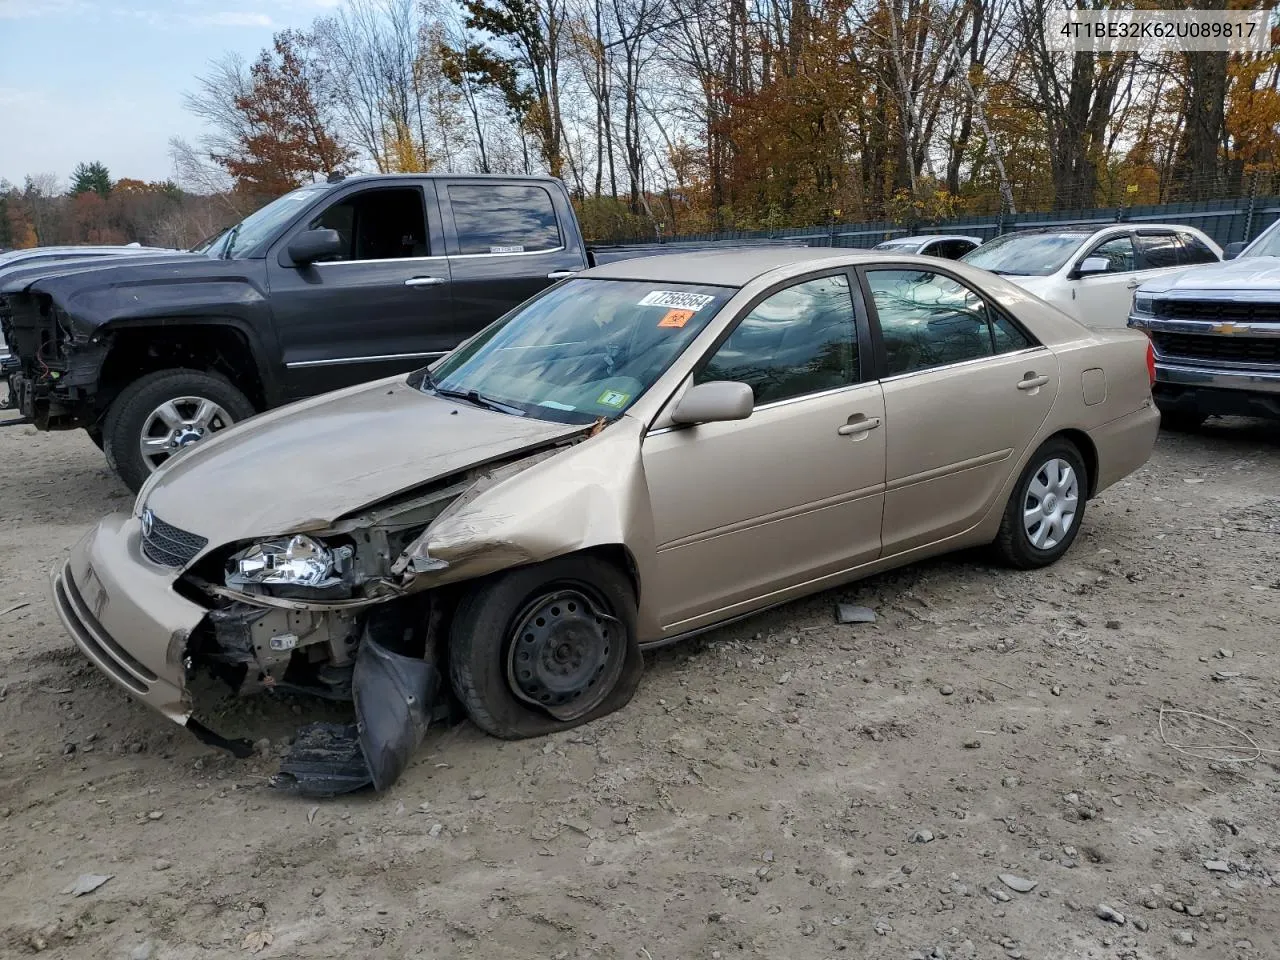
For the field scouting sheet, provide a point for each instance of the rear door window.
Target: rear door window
(503, 219)
(1158, 251)
(1195, 250)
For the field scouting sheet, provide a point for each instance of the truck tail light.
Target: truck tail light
(1151, 362)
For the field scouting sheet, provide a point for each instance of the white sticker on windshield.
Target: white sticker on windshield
(674, 298)
(554, 405)
(515, 249)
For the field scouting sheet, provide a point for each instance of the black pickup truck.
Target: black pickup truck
(330, 285)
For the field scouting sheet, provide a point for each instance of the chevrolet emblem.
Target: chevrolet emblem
(1229, 329)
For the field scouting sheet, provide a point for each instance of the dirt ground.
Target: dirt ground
(785, 787)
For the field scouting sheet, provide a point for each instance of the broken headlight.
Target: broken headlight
(295, 561)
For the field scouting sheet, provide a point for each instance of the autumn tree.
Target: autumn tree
(282, 134)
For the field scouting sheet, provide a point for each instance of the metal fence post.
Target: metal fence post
(1248, 213)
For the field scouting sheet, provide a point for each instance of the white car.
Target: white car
(946, 246)
(1091, 274)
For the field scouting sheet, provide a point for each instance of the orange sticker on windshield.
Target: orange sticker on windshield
(676, 318)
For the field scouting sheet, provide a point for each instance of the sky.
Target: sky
(86, 80)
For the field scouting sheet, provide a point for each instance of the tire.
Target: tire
(1015, 543)
(482, 661)
(137, 407)
(95, 434)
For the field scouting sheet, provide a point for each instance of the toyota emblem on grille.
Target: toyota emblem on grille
(148, 521)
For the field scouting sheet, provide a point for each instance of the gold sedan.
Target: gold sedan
(642, 452)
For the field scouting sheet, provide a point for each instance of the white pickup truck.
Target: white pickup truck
(1216, 334)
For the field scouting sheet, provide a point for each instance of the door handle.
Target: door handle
(425, 282)
(561, 274)
(1031, 381)
(857, 425)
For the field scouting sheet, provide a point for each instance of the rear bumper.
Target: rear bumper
(125, 616)
(1124, 445)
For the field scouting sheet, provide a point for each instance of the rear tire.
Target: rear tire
(137, 414)
(493, 617)
(1046, 508)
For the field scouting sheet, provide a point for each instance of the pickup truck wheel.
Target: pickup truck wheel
(545, 647)
(95, 434)
(161, 414)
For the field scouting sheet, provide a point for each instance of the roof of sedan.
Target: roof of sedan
(729, 268)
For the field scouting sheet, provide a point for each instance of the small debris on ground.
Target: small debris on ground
(87, 883)
(1018, 884)
(850, 613)
(1109, 914)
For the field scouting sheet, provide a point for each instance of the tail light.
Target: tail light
(1151, 362)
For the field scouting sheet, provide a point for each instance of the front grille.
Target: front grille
(1232, 311)
(1248, 350)
(169, 546)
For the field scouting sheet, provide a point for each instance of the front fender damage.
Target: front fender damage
(482, 525)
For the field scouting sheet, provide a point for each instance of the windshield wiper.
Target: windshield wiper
(476, 397)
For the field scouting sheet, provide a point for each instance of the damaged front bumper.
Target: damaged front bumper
(126, 617)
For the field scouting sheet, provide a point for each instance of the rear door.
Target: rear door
(507, 240)
(380, 307)
(965, 392)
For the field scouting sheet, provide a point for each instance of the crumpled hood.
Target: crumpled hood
(165, 287)
(17, 278)
(303, 466)
(1247, 278)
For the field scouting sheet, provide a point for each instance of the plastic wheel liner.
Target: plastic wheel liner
(394, 700)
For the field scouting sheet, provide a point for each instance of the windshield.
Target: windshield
(1026, 254)
(583, 350)
(1267, 245)
(263, 224)
(897, 245)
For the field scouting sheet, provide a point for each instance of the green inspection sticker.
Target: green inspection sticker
(613, 398)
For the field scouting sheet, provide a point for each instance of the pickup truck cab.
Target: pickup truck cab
(330, 285)
(1216, 336)
(1091, 273)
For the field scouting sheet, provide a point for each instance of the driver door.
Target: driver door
(383, 306)
(747, 509)
(1103, 299)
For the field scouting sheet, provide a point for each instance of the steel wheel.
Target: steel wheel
(178, 423)
(564, 651)
(1049, 510)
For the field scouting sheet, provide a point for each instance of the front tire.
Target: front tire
(1047, 507)
(546, 647)
(160, 414)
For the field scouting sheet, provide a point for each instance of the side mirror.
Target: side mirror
(1233, 249)
(1091, 265)
(312, 245)
(714, 402)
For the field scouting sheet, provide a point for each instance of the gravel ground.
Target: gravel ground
(785, 787)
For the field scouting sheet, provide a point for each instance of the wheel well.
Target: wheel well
(618, 555)
(214, 348)
(1081, 441)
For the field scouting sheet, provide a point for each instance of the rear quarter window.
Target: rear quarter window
(503, 219)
